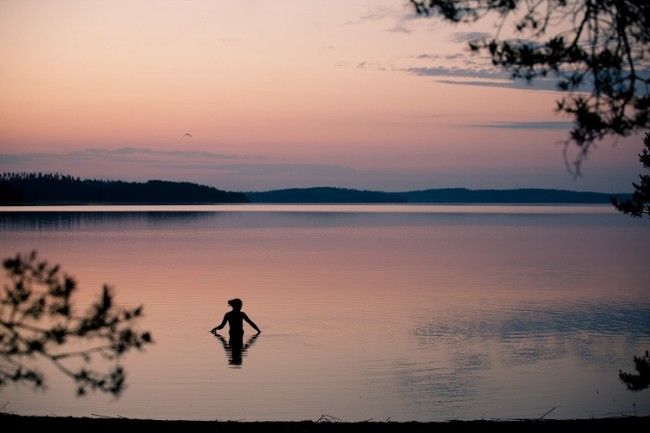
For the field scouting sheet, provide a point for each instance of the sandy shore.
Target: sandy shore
(16, 423)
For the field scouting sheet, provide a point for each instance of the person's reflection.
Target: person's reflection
(235, 347)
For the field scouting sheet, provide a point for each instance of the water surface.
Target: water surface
(368, 311)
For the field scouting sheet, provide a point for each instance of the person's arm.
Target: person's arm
(250, 322)
(223, 323)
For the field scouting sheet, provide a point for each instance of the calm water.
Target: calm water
(407, 312)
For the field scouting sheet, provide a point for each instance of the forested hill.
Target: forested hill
(50, 189)
(324, 195)
(32, 188)
(446, 195)
(523, 195)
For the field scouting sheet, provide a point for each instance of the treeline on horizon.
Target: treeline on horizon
(40, 188)
(54, 188)
(440, 196)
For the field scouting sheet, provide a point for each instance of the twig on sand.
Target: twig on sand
(552, 409)
(106, 416)
(328, 418)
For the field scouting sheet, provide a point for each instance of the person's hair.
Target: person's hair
(235, 303)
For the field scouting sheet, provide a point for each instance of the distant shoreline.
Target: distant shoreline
(126, 425)
(403, 209)
(451, 196)
(31, 189)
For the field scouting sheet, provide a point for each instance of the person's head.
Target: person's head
(235, 304)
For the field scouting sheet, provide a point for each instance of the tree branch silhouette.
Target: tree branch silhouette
(38, 320)
(641, 380)
(639, 203)
(596, 49)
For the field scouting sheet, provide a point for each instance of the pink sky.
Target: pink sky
(289, 93)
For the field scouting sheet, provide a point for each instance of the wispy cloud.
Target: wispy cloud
(469, 74)
(399, 27)
(468, 36)
(524, 125)
(399, 17)
(428, 56)
(538, 84)
(375, 66)
(120, 154)
(376, 14)
(483, 77)
(134, 163)
(257, 173)
(133, 160)
(455, 56)
(443, 71)
(156, 152)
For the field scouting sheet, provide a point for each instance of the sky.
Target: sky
(360, 94)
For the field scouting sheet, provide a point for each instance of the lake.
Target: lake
(367, 311)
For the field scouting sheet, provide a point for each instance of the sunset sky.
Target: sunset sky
(290, 93)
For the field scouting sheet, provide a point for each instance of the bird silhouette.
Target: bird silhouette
(187, 134)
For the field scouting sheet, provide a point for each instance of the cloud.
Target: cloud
(154, 152)
(399, 27)
(374, 14)
(228, 171)
(428, 56)
(503, 80)
(468, 36)
(443, 71)
(111, 160)
(377, 14)
(134, 154)
(456, 56)
(384, 13)
(486, 77)
(538, 84)
(401, 17)
(524, 125)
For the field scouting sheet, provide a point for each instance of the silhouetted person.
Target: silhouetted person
(235, 319)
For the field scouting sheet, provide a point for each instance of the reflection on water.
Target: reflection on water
(97, 217)
(528, 321)
(235, 347)
(401, 209)
(426, 314)
(527, 334)
(12, 221)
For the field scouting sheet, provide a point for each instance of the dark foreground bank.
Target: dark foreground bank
(15, 423)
